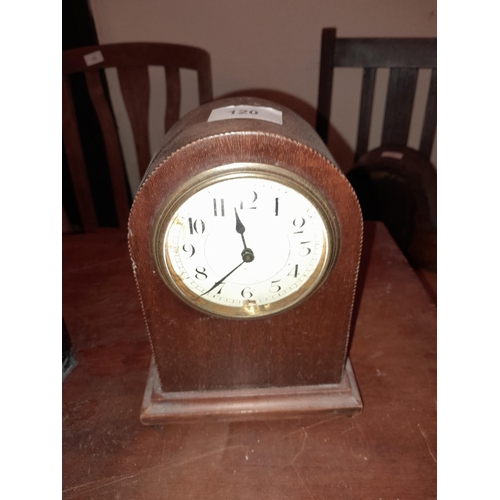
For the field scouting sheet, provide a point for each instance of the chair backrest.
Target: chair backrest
(404, 57)
(131, 61)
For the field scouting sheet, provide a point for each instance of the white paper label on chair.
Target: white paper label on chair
(93, 58)
(246, 112)
(392, 154)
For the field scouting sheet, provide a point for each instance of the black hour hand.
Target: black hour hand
(247, 254)
(240, 228)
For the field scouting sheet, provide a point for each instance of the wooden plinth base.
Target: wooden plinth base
(247, 404)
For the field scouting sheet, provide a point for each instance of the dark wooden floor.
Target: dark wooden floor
(387, 452)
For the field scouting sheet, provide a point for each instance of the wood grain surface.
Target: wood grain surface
(387, 452)
(305, 345)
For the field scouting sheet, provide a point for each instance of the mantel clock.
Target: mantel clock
(245, 241)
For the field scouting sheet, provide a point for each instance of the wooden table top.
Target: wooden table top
(386, 452)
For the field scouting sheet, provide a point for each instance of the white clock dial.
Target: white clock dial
(246, 245)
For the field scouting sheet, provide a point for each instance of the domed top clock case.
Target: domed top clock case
(245, 241)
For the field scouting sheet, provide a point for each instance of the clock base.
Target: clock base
(248, 404)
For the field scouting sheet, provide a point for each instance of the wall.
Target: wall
(268, 44)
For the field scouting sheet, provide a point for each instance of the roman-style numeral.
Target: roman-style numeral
(219, 207)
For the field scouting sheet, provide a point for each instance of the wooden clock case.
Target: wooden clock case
(290, 363)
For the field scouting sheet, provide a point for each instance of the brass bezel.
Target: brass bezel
(244, 170)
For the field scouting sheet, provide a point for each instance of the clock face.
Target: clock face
(245, 241)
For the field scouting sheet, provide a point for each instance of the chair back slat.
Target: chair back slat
(365, 111)
(173, 96)
(205, 81)
(134, 84)
(399, 106)
(111, 144)
(131, 61)
(430, 118)
(76, 161)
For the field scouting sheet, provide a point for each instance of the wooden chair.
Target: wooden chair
(404, 57)
(394, 183)
(131, 61)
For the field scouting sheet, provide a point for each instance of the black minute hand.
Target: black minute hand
(222, 279)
